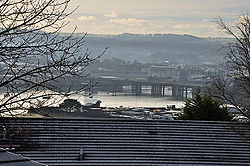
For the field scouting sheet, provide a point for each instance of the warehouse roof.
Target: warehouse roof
(130, 142)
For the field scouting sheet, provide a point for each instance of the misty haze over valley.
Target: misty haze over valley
(157, 48)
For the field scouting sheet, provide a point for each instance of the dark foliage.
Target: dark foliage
(70, 103)
(204, 108)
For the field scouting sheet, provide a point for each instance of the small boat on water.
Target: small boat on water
(93, 104)
(90, 101)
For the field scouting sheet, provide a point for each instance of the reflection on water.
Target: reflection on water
(108, 100)
(129, 101)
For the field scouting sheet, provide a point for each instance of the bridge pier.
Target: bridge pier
(163, 90)
(182, 93)
(178, 92)
(174, 91)
(116, 87)
(157, 90)
(153, 90)
(186, 93)
(136, 89)
(119, 87)
(194, 89)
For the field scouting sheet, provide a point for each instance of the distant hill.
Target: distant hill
(144, 48)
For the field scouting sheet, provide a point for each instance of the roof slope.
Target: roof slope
(132, 142)
(11, 159)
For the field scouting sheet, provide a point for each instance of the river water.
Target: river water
(108, 100)
(126, 100)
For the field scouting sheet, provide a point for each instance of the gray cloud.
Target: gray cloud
(154, 16)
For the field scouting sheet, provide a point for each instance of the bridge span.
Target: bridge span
(158, 88)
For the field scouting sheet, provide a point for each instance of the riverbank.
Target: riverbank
(146, 113)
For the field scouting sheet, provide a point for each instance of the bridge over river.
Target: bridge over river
(158, 88)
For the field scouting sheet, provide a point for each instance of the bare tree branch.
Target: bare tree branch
(235, 88)
(34, 57)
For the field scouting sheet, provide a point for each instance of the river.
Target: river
(108, 100)
(125, 100)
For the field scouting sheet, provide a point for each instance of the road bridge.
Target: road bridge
(158, 88)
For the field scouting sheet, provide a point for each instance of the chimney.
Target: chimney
(81, 155)
(4, 132)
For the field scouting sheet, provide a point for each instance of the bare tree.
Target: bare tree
(235, 87)
(34, 57)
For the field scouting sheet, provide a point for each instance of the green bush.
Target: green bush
(204, 108)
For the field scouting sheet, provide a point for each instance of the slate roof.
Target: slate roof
(131, 142)
(11, 159)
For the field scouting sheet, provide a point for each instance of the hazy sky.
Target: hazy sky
(193, 17)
